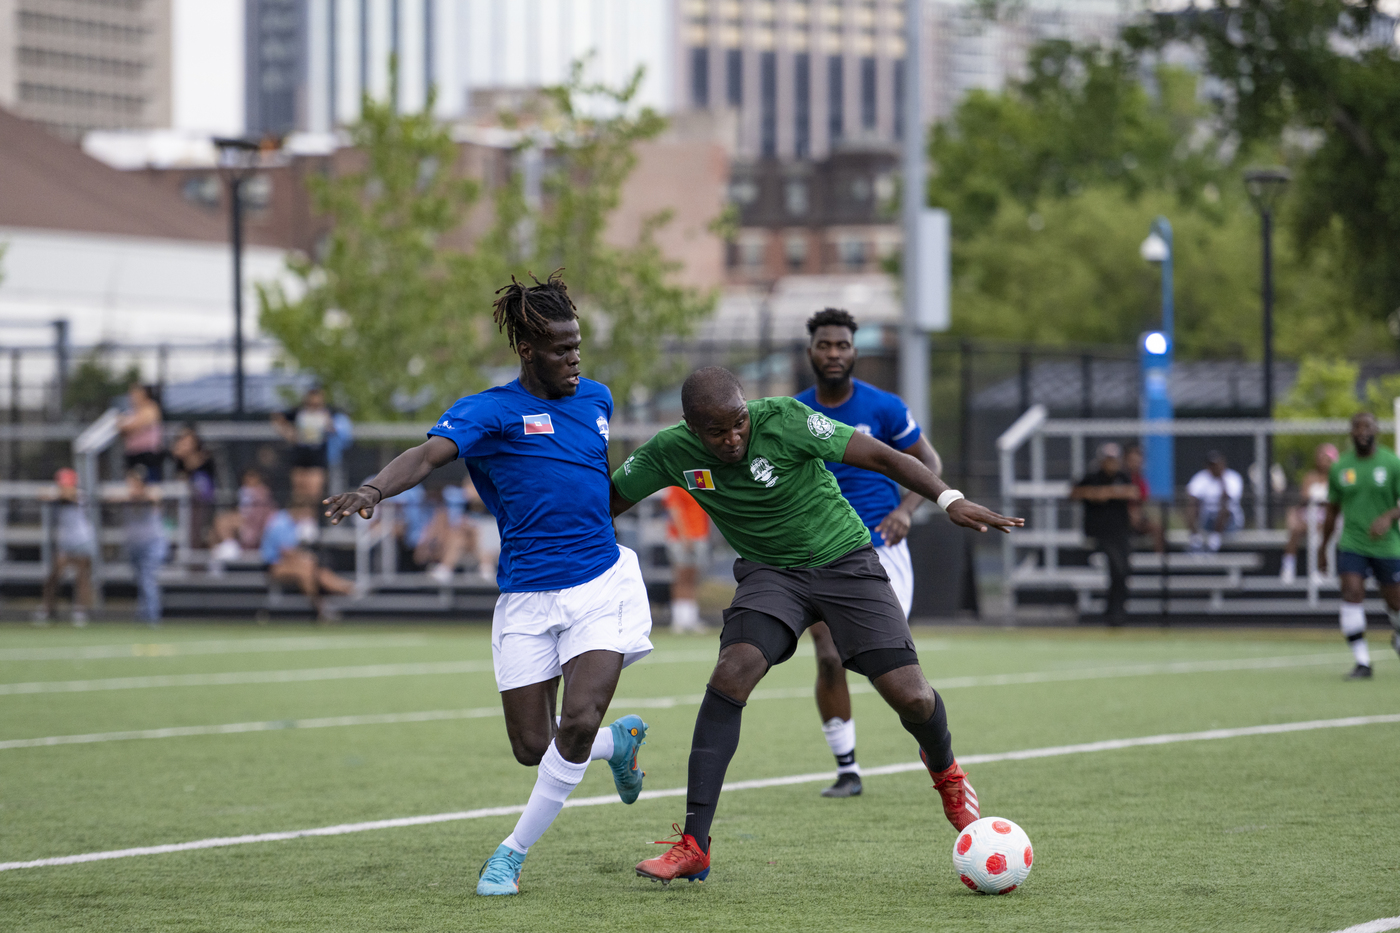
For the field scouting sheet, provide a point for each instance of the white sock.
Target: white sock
(1290, 564)
(685, 613)
(1353, 618)
(556, 780)
(602, 745)
(841, 738)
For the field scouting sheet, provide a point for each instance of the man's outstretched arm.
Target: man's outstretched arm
(405, 471)
(869, 454)
(618, 502)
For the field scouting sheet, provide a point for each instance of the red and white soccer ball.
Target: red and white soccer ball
(992, 856)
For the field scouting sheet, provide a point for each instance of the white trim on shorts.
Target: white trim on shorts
(533, 635)
(900, 569)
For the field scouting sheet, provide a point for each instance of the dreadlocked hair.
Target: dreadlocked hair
(525, 311)
(831, 317)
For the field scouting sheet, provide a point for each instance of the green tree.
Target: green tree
(94, 383)
(393, 320)
(1330, 68)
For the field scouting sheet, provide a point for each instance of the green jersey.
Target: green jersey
(1366, 488)
(780, 505)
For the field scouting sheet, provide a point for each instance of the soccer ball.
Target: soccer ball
(992, 856)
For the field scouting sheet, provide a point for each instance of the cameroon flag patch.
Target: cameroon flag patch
(699, 479)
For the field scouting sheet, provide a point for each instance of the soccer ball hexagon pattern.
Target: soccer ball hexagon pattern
(992, 856)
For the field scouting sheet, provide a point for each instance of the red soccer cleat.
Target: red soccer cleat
(683, 860)
(959, 799)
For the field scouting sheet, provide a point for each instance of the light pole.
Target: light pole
(238, 162)
(1265, 187)
(1156, 350)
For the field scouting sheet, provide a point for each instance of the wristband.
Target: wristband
(948, 498)
(376, 489)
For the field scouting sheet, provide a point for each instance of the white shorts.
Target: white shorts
(533, 635)
(900, 569)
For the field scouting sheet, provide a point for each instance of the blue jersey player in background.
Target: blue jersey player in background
(876, 498)
(572, 604)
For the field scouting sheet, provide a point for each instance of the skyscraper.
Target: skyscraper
(75, 66)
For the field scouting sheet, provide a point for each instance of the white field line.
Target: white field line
(668, 702)
(171, 649)
(1374, 926)
(1022, 755)
(479, 667)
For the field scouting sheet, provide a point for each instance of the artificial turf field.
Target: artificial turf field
(1298, 831)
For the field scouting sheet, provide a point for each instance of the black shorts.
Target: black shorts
(852, 595)
(304, 455)
(1386, 570)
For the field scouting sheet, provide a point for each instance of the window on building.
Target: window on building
(867, 93)
(802, 105)
(700, 78)
(795, 251)
(768, 104)
(751, 253)
(899, 99)
(835, 97)
(734, 77)
(795, 197)
(852, 252)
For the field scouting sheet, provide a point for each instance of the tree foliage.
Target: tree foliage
(1053, 183)
(393, 320)
(1330, 68)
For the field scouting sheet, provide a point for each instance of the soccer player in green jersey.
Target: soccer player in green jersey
(757, 470)
(1364, 486)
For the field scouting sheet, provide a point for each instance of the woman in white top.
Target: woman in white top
(1312, 497)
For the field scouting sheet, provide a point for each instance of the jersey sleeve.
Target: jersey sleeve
(643, 473)
(900, 426)
(468, 423)
(812, 433)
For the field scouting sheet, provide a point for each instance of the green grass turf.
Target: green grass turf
(1291, 832)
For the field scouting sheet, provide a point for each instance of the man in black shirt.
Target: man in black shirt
(1106, 493)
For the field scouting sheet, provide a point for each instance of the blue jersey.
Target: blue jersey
(541, 467)
(885, 417)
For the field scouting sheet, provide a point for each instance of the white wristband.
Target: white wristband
(948, 498)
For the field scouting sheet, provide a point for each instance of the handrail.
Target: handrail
(1189, 427)
(1023, 427)
(97, 436)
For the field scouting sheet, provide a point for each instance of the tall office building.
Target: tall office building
(808, 77)
(274, 85)
(76, 65)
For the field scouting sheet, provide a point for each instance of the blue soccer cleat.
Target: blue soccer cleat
(628, 735)
(501, 873)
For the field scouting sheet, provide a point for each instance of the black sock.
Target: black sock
(716, 738)
(933, 736)
(846, 760)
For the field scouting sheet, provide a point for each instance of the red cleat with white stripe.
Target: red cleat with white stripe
(959, 799)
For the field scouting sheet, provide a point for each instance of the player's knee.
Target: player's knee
(529, 749)
(829, 669)
(739, 668)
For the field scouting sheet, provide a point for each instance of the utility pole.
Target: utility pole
(913, 341)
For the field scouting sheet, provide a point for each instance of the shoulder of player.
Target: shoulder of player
(590, 388)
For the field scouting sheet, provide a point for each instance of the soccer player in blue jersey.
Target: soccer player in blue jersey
(831, 351)
(572, 604)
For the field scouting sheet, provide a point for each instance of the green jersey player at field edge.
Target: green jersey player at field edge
(757, 470)
(1364, 486)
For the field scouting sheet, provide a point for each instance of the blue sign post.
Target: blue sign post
(1155, 350)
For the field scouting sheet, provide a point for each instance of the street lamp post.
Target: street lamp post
(1265, 187)
(238, 161)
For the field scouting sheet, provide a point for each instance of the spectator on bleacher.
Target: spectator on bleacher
(312, 429)
(196, 467)
(242, 529)
(1312, 497)
(688, 547)
(1107, 493)
(286, 547)
(75, 544)
(482, 535)
(146, 543)
(1133, 462)
(1213, 507)
(140, 428)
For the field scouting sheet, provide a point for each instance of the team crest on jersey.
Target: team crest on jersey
(603, 427)
(820, 425)
(762, 472)
(627, 464)
(538, 424)
(1378, 474)
(1348, 477)
(864, 429)
(699, 479)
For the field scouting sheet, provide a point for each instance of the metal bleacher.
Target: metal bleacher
(196, 585)
(1049, 561)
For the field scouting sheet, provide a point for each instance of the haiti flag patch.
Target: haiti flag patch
(538, 424)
